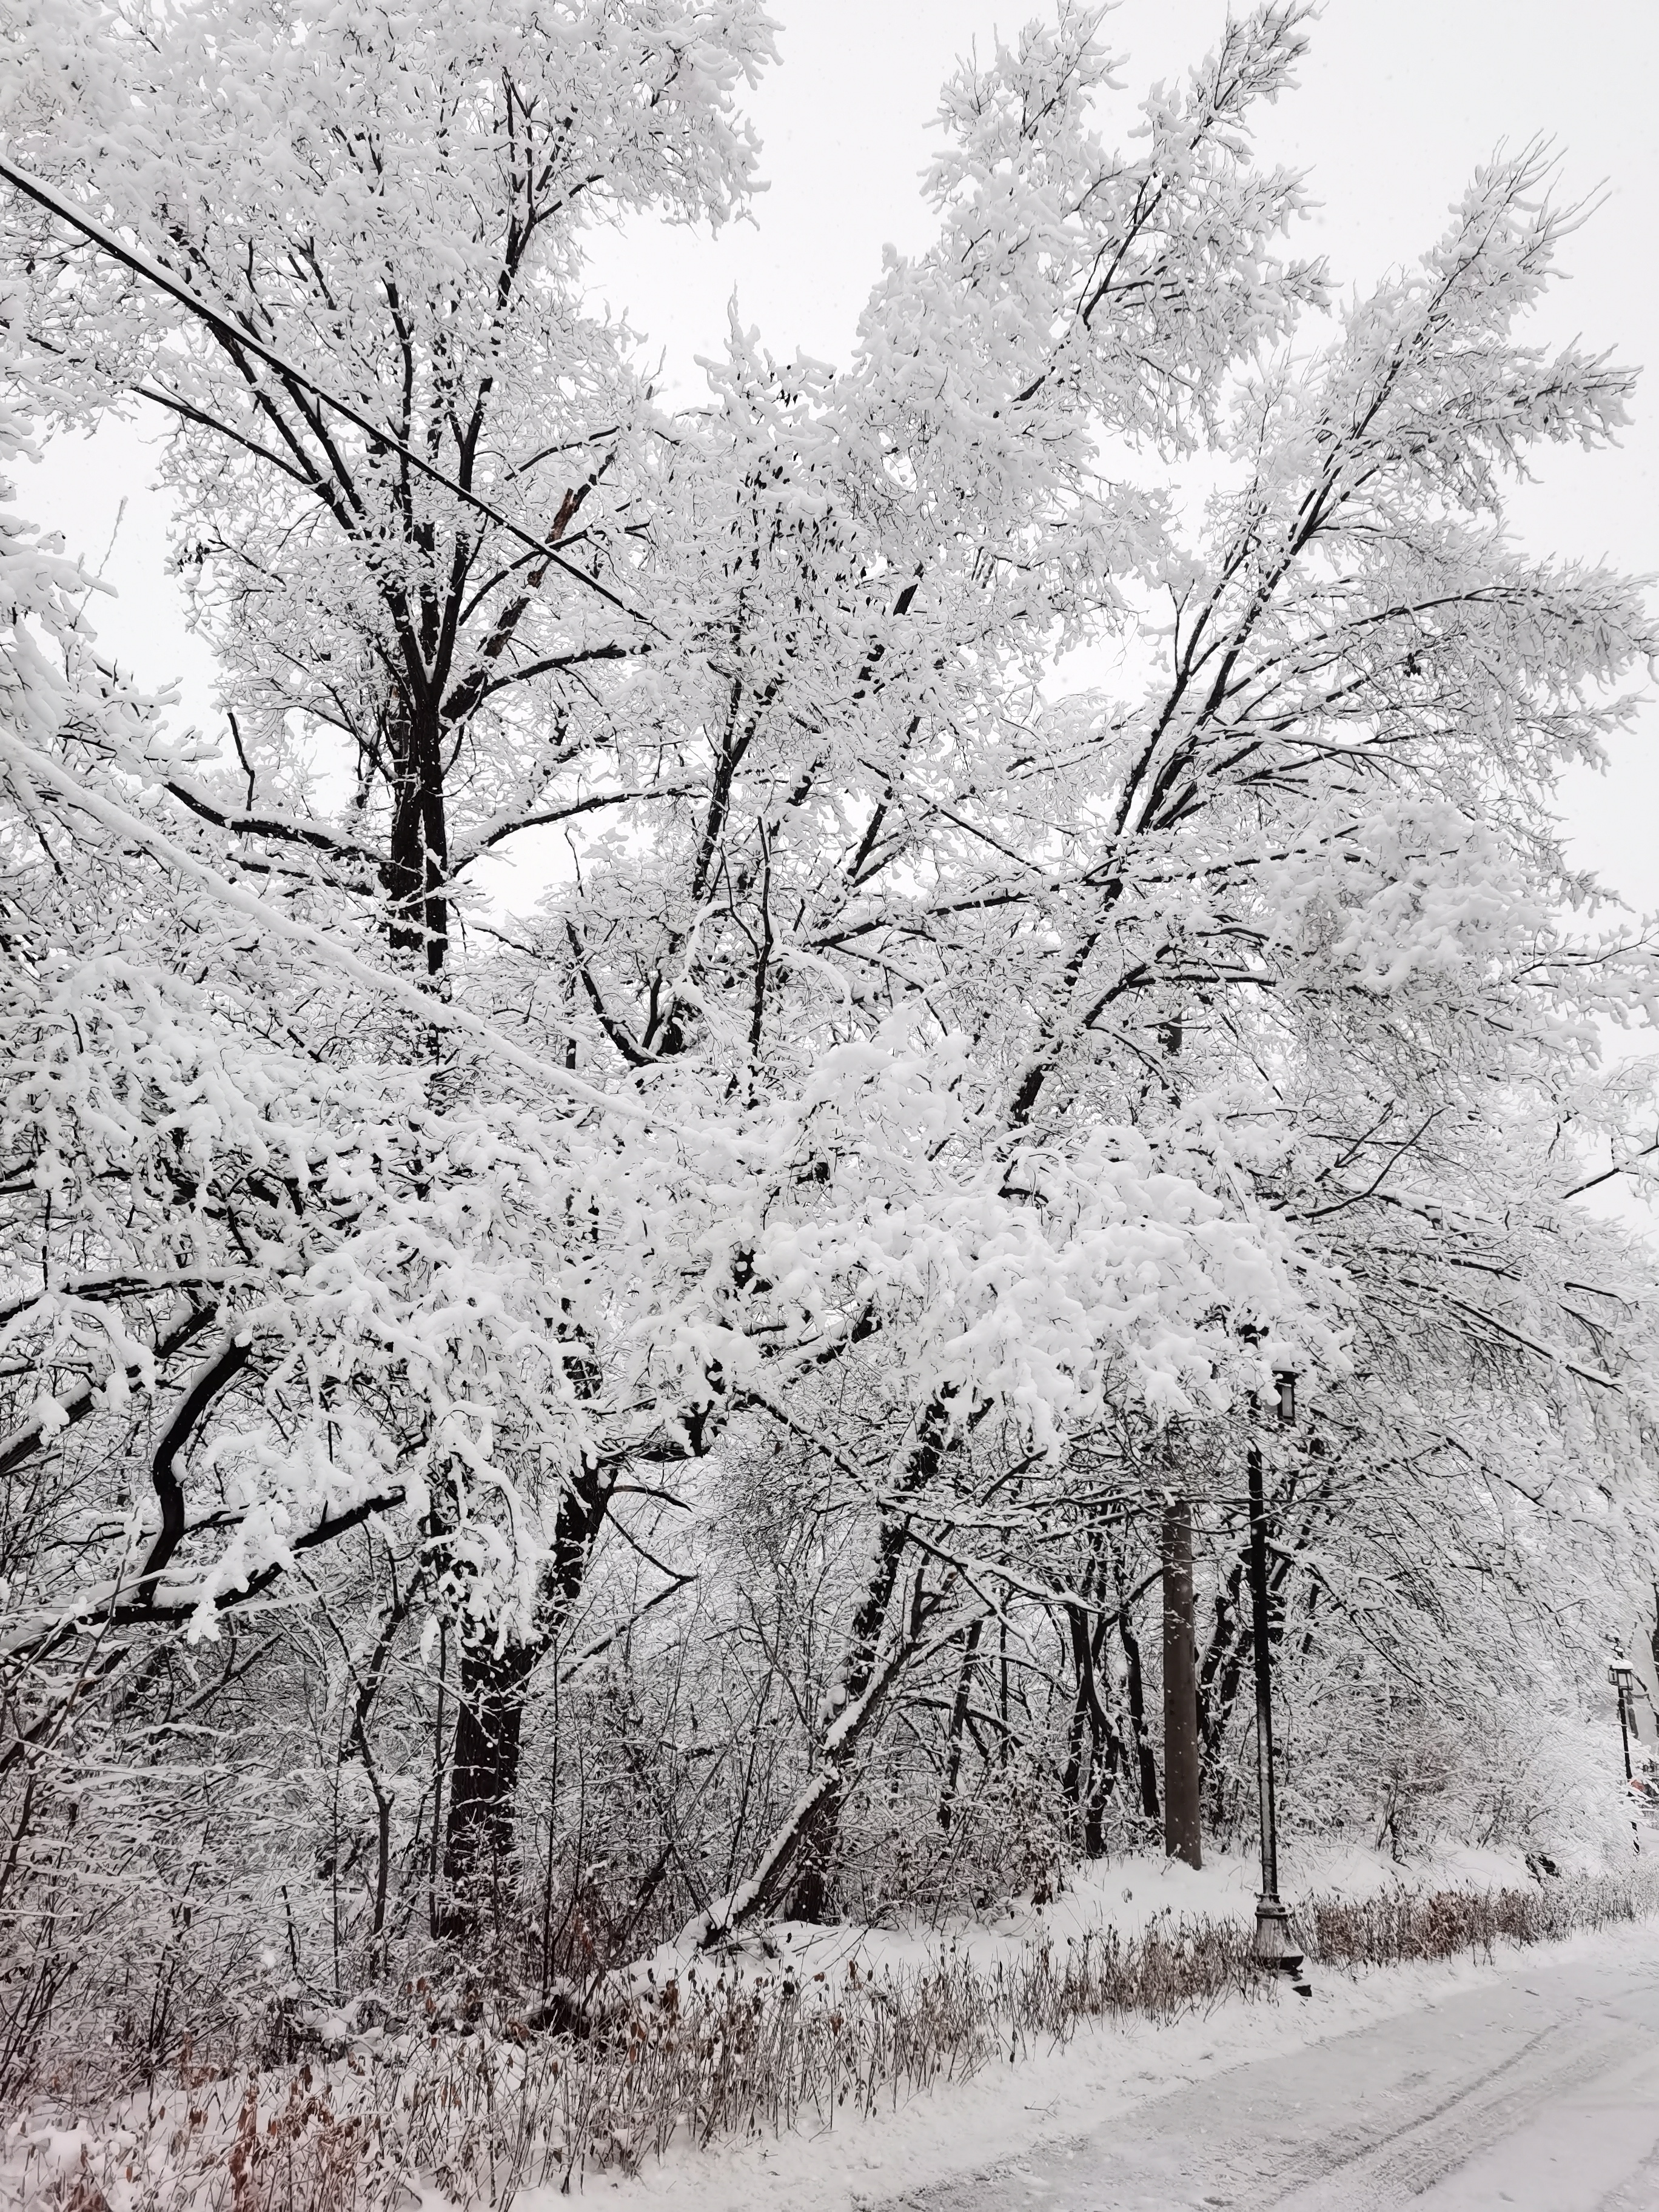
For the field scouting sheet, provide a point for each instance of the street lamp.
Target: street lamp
(1622, 1675)
(1276, 1943)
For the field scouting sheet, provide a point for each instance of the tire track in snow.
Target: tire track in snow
(1554, 2069)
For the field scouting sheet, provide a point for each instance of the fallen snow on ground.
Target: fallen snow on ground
(1004, 2110)
(1106, 2070)
(1101, 2076)
(1537, 2091)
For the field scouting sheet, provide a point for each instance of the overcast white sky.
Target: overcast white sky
(1399, 101)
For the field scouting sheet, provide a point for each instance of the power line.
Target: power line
(228, 328)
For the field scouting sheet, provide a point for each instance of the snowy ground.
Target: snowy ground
(1540, 2091)
(1531, 2081)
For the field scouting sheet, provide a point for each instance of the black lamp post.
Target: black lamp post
(1622, 1675)
(1276, 1943)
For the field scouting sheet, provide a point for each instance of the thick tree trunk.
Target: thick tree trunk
(492, 1689)
(1072, 1775)
(417, 870)
(1182, 1833)
(483, 1775)
(215, 1375)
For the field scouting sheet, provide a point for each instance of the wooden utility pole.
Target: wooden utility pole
(1181, 1769)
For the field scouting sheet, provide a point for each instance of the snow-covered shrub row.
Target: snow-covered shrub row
(527, 1436)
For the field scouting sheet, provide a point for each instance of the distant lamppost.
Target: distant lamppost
(1622, 1675)
(1276, 1943)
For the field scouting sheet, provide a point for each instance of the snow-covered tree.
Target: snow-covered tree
(1057, 917)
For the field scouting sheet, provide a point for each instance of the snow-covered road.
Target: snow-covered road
(1539, 2091)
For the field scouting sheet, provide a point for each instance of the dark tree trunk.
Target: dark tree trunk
(492, 1688)
(1218, 1670)
(1072, 1775)
(417, 867)
(1145, 1760)
(947, 1799)
(484, 1773)
(1220, 1676)
(1181, 1833)
(1094, 1748)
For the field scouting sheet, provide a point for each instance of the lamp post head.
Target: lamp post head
(1622, 1675)
(1285, 1384)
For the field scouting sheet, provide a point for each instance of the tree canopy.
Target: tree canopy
(1052, 914)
